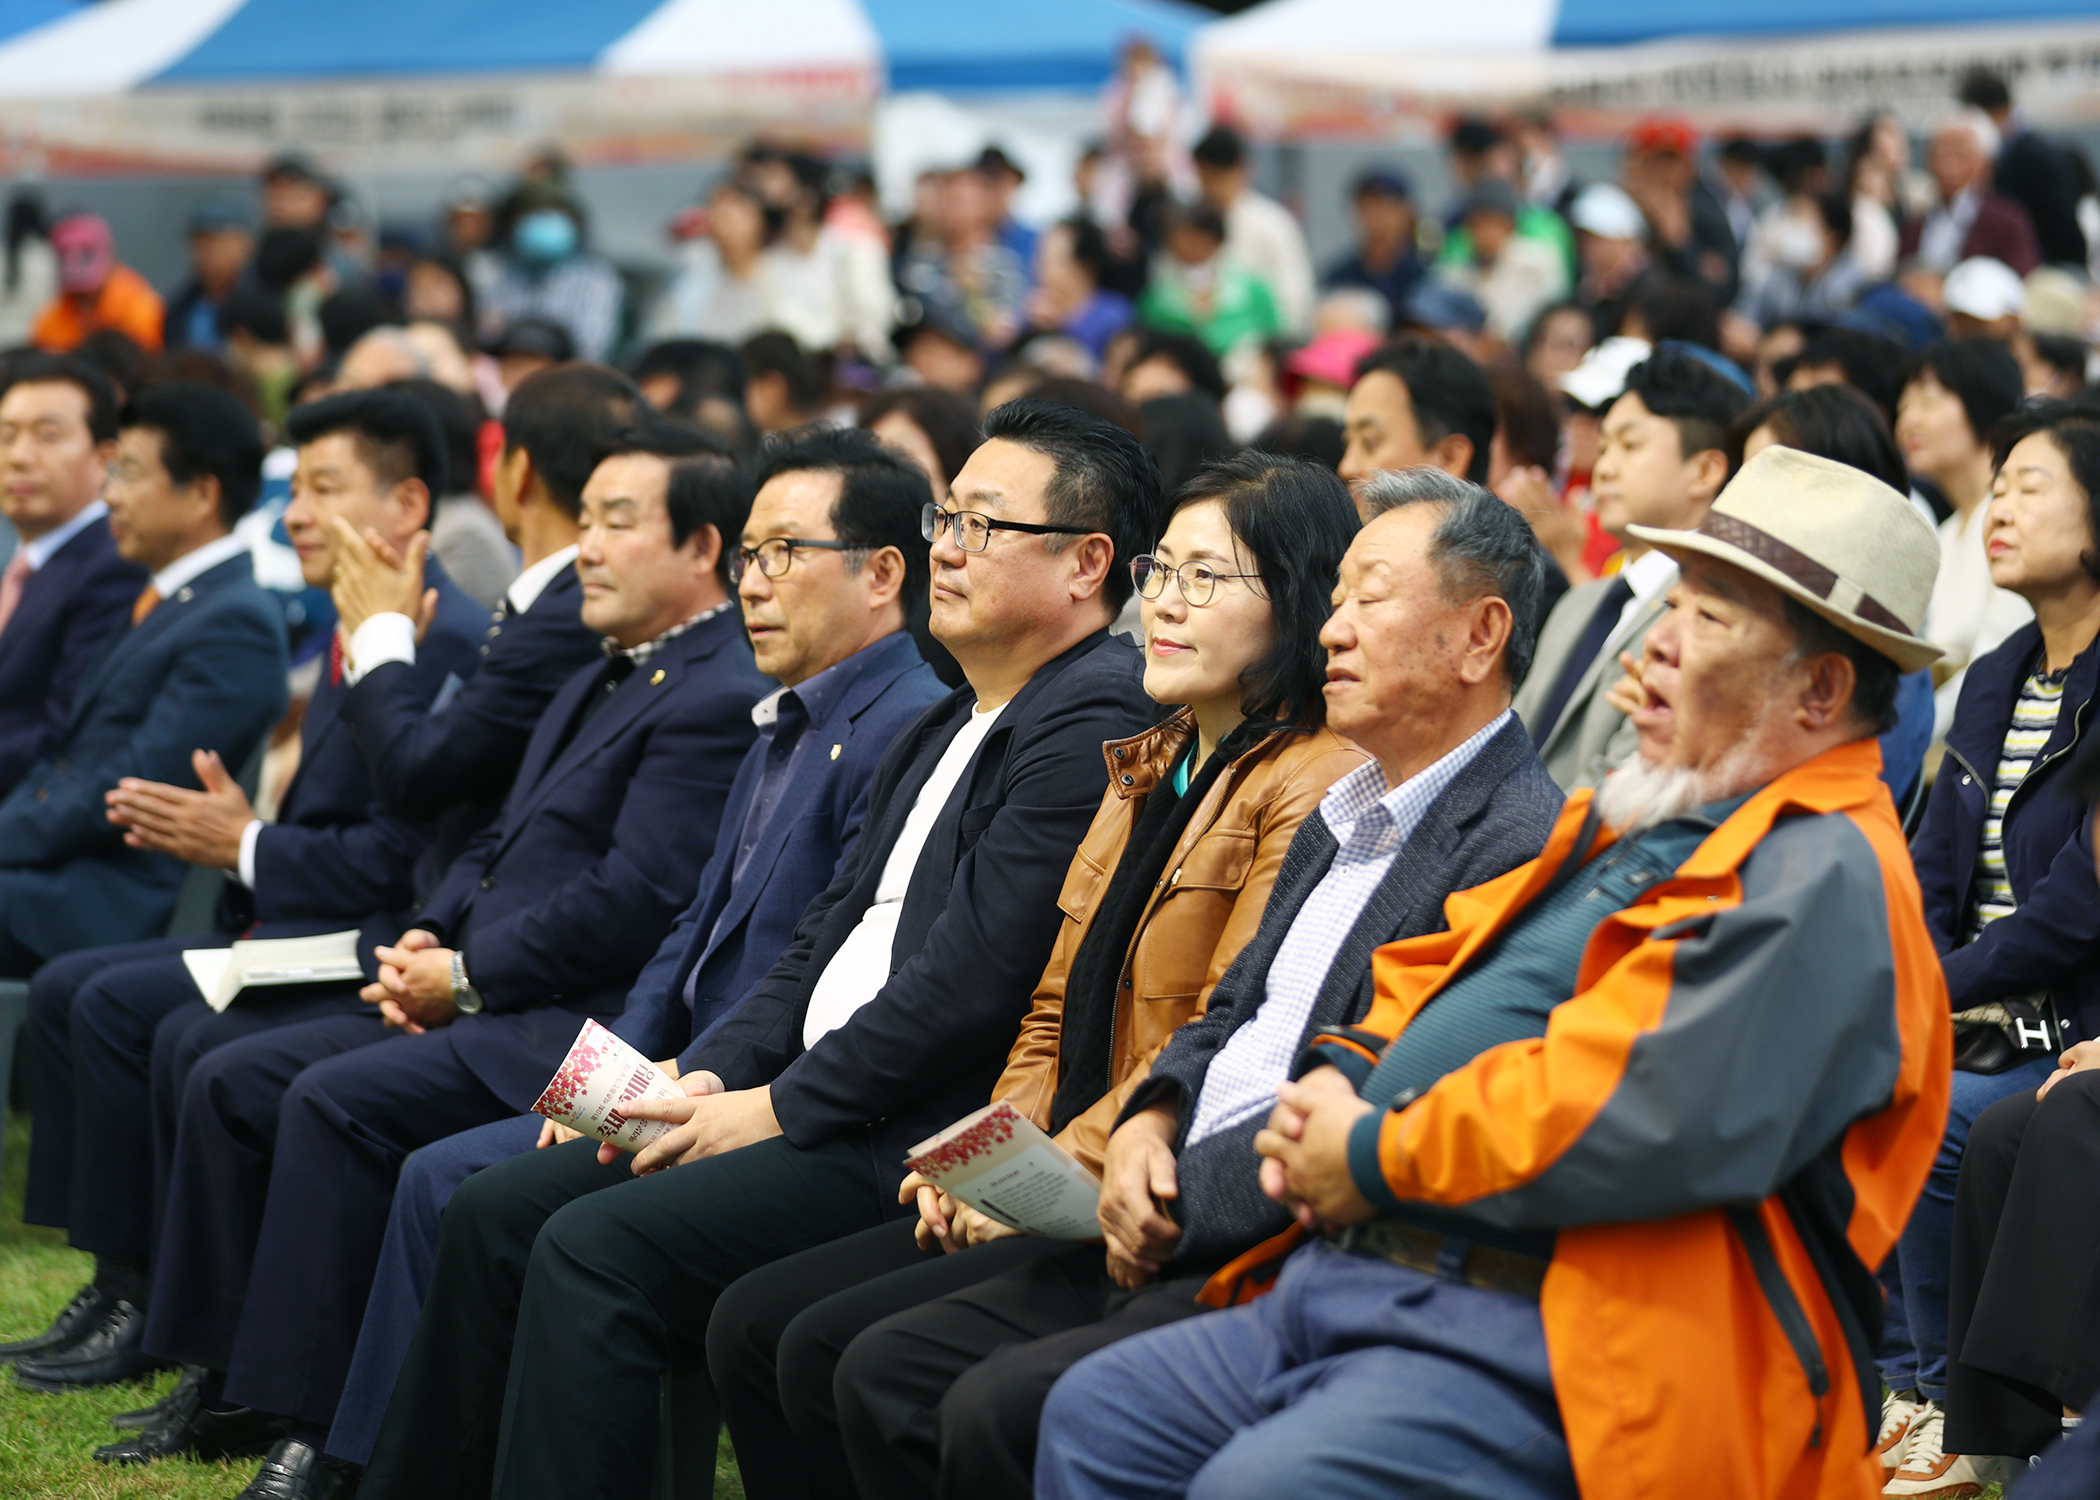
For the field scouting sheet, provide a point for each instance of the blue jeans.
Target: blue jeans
(1913, 1352)
(1355, 1379)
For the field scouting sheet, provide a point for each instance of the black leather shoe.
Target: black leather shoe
(300, 1471)
(87, 1308)
(106, 1355)
(240, 1433)
(186, 1389)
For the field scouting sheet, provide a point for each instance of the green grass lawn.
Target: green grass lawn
(45, 1440)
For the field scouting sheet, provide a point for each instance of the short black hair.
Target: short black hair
(1830, 421)
(706, 486)
(37, 368)
(1198, 216)
(1090, 395)
(1300, 434)
(775, 353)
(1877, 677)
(703, 368)
(1526, 416)
(882, 497)
(1103, 479)
(459, 418)
(1294, 519)
(1474, 136)
(1671, 307)
(1220, 146)
(1186, 353)
(561, 417)
(949, 422)
(1698, 400)
(396, 436)
(203, 430)
(2073, 429)
(255, 312)
(118, 356)
(1089, 247)
(1981, 374)
(1183, 432)
(1983, 89)
(1871, 362)
(348, 315)
(1835, 209)
(2064, 353)
(1447, 390)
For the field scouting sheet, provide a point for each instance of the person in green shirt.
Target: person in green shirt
(1195, 289)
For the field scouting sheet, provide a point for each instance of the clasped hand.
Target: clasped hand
(202, 827)
(1137, 1181)
(1305, 1150)
(946, 1221)
(414, 992)
(372, 579)
(2076, 1059)
(708, 1121)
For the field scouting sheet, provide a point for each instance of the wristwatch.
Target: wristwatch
(464, 996)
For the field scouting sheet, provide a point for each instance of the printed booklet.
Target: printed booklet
(596, 1082)
(222, 973)
(1001, 1163)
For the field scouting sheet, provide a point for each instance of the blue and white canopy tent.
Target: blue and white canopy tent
(382, 84)
(1351, 67)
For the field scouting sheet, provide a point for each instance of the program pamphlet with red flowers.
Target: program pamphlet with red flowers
(1001, 1163)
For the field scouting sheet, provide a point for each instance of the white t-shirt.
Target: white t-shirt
(858, 971)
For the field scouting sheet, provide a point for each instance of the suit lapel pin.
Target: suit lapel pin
(184, 595)
(658, 677)
(835, 749)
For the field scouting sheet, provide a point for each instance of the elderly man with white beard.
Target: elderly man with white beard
(1595, 1191)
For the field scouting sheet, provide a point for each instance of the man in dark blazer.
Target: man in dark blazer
(831, 632)
(66, 590)
(265, 1257)
(1456, 798)
(451, 768)
(888, 1016)
(2032, 170)
(1972, 218)
(201, 666)
(331, 860)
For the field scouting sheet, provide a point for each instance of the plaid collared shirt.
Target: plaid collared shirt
(649, 648)
(1370, 823)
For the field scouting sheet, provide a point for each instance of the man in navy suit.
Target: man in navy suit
(332, 860)
(887, 1017)
(200, 667)
(66, 590)
(289, 1142)
(451, 768)
(830, 553)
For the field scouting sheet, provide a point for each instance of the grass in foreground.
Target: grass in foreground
(45, 1441)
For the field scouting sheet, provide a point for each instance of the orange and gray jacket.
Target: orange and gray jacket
(1725, 1127)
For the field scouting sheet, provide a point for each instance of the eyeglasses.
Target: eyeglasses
(973, 532)
(776, 554)
(1199, 584)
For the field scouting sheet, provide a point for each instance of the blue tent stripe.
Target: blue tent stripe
(289, 39)
(966, 46)
(1598, 23)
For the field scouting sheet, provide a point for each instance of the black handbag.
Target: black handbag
(2006, 1034)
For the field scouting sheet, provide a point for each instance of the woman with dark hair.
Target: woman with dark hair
(1953, 395)
(1166, 888)
(1182, 433)
(1071, 262)
(1832, 421)
(935, 429)
(2005, 863)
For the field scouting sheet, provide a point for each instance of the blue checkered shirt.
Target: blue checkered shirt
(1370, 824)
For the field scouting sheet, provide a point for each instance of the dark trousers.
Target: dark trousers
(564, 1291)
(285, 1161)
(92, 1016)
(774, 1343)
(945, 1397)
(2024, 1314)
(401, 1280)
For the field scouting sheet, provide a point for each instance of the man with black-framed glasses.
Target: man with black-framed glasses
(888, 1016)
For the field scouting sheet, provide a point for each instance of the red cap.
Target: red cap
(1665, 133)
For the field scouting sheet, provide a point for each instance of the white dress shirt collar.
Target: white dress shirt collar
(201, 560)
(45, 547)
(526, 588)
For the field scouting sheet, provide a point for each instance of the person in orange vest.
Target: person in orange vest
(1593, 1195)
(95, 291)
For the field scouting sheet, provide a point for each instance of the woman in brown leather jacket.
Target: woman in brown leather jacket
(1161, 895)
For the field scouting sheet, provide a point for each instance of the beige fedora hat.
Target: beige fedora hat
(1832, 536)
